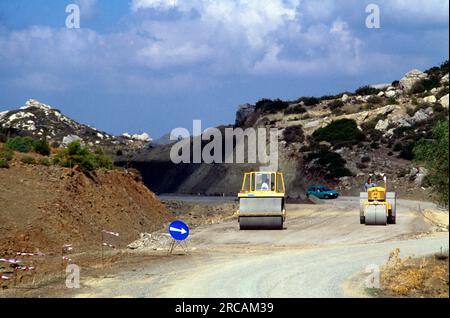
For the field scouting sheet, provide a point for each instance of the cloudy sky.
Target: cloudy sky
(154, 65)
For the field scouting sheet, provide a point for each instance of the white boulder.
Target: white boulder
(430, 99)
(410, 79)
(444, 101)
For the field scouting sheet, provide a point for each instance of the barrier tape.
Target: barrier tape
(66, 258)
(112, 233)
(24, 268)
(30, 254)
(11, 261)
(109, 245)
(4, 277)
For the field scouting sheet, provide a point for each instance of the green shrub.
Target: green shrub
(367, 90)
(6, 154)
(310, 101)
(407, 151)
(392, 101)
(4, 163)
(271, 106)
(297, 109)
(21, 144)
(336, 104)
(397, 147)
(102, 160)
(426, 84)
(76, 154)
(375, 100)
(343, 130)
(28, 160)
(293, 134)
(44, 161)
(42, 147)
(331, 163)
(434, 154)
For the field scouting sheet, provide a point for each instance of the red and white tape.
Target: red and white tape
(112, 233)
(67, 248)
(11, 260)
(4, 277)
(24, 268)
(109, 245)
(66, 258)
(30, 254)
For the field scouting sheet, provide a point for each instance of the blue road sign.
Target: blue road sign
(179, 230)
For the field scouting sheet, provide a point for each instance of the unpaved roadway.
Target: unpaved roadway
(321, 249)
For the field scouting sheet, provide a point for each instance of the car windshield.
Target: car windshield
(325, 189)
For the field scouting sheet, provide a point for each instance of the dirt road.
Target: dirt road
(322, 246)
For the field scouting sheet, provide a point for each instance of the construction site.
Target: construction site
(245, 149)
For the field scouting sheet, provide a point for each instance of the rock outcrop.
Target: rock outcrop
(410, 79)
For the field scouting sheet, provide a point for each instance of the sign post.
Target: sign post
(179, 232)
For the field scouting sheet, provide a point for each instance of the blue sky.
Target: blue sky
(154, 65)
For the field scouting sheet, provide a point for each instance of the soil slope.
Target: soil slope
(42, 208)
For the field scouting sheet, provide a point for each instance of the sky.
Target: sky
(154, 65)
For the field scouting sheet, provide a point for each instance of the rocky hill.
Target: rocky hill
(39, 120)
(335, 140)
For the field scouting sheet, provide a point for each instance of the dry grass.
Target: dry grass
(415, 277)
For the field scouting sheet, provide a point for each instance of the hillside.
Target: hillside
(39, 120)
(335, 140)
(44, 207)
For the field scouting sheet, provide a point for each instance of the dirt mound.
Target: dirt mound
(42, 208)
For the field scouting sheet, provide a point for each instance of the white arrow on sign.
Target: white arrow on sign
(174, 229)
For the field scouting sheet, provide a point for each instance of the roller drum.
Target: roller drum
(375, 214)
(260, 222)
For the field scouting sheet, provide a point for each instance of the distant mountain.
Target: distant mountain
(39, 120)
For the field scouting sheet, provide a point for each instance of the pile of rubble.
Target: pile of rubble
(154, 241)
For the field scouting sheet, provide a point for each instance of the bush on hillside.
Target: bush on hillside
(367, 90)
(340, 131)
(6, 154)
(77, 154)
(271, 106)
(332, 164)
(21, 144)
(42, 147)
(297, 109)
(310, 101)
(293, 134)
(434, 154)
(336, 104)
(375, 100)
(4, 164)
(44, 161)
(28, 160)
(426, 84)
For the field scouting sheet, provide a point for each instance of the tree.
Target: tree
(434, 155)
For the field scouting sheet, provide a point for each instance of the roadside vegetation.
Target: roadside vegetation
(434, 155)
(415, 277)
(39, 152)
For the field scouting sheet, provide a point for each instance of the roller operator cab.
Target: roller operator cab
(262, 200)
(377, 207)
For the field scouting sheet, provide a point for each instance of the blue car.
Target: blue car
(322, 192)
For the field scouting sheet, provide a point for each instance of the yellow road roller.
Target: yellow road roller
(377, 207)
(262, 200)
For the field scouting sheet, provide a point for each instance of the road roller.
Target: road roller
(261, 201)
(377, 207)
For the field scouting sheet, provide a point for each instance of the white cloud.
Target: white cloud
(87, 8)
(425, 10)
